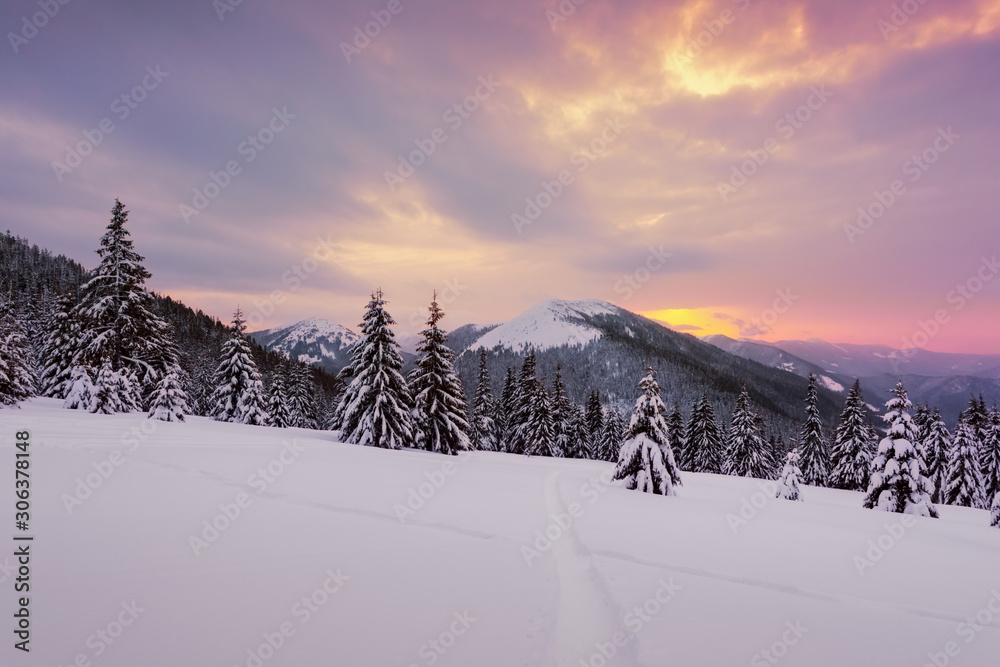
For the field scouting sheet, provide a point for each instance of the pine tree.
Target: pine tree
(788, 482)
(594, 415)
(375, 408)
(995, 512)
(812, 444)
(169, 401)
(239, 392)
(106, 398)
(897, 482)
(990, 456)
(580, 444)
(506, 407)
(746, 453)
(978, 417)
(300, 391)
(704, 442)
(646, 461)
(278, 413)
(17, 364)
(612, 435)
(81, 390)
(964, 486)
(854, 446)
(60, 344)
(675, 429)
(562, 414)
(937, 448)
(482, 416)
(526, 392)
(118, 324)
(439, 401)
(537, 436)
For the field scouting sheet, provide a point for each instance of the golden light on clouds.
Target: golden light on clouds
(697, 321)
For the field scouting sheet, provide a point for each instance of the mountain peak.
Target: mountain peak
(551, 323)
(313, 340)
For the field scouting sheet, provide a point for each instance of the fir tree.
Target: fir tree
(580, 444)
(118, 324)
(995, 512)
(937, 449)
(537, 437)
(300, 392)
(562, 415)
(60, 344)
(964, 486)
(812, 444)
(978, 417)
(106, 399)
(375, 408)
(646, 461)
(746, 454)
(788, 482)
(81, 390)
(704, 445)
(594, 415)
(897, 482)
(439, 401)
(482, 417)
(675, 429)
(17, 365)
(239, 392)
(990, 456)
(612, 435)
(527, 391)
(169, 401)
(278, 413)
(854, 446)
(506, 408)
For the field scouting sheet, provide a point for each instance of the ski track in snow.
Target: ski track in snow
(583, 609)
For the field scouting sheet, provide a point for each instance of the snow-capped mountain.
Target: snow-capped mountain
(549, 324)
(315, 341)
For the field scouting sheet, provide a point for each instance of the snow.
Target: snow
(311, 329)
(830, 383)
(549, 324)
(512, 560)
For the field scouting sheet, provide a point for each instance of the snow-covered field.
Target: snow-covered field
(319, 563)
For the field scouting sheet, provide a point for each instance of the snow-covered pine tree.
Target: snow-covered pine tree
(537, 435)
(526, 392)
(594, 414)
(704, 444)
(815, 458)
(964, 486)
(937, 449)
(788, 481)
(300, 392)
(482, 415)
(60, 344)
(562, 414)
(897, 482)
(438, 398)
(81, 390)
(18, 373)
(239, 391)
(506, 407)
(989, 456)
(118, 324)
(169, 401)
(854, 446)
(978, 417)
(375, 408)
(579, 441)
(612, 435)
(106, 399)
(278, 413)
(746, 453)
(995, 512)
(646, 460)
(675, 429)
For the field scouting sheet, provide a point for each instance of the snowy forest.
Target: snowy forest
(101, 342)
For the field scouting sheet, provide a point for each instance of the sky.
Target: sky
(782, 169)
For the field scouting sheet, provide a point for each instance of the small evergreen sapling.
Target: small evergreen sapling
(169, 402)
(81, 390)
(788, 481)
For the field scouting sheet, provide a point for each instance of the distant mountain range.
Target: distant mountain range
(598, 345)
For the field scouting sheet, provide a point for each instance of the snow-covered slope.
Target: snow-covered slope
(497, 560)
(549, 324)
(314, 341)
